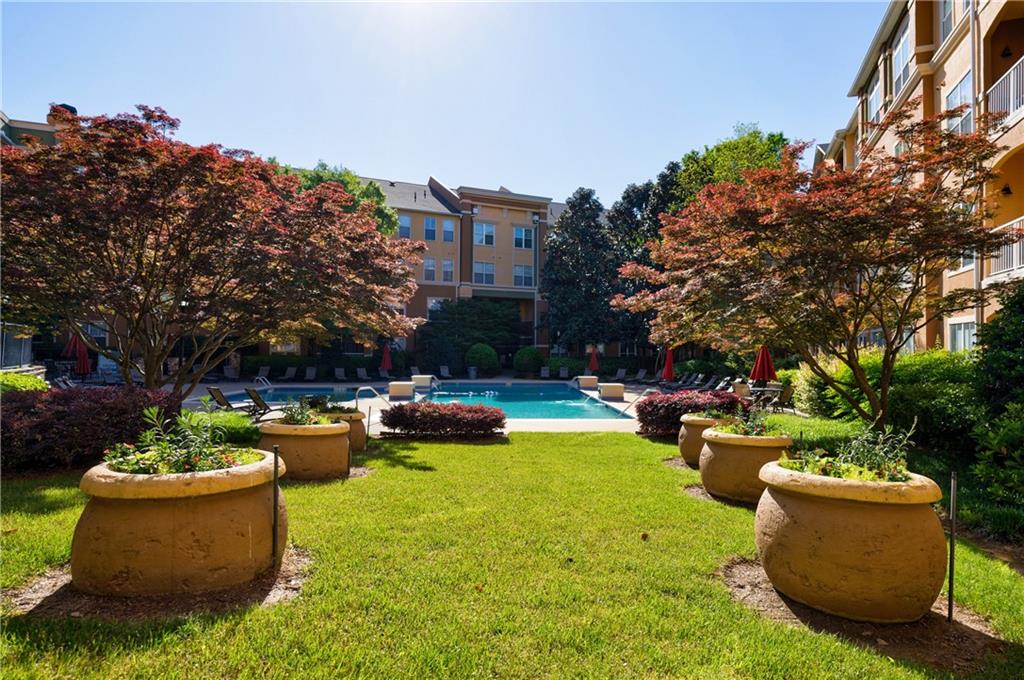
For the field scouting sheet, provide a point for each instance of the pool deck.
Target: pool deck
(372, 406)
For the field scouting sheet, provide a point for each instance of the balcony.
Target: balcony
(1008, 94)
(1009, 260)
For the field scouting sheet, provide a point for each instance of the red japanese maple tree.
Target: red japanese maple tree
(161, 242)
(811, 261)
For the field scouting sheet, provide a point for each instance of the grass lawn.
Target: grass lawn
(512, 560)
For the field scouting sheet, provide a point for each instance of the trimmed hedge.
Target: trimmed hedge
(528, 360)
(465, 421)
(73, 426)
(484, 357)
(237, 427)
(659, 413)
(21, 382)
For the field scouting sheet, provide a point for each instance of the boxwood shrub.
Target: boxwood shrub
(73, 426)
(659, 413)
(528, 360)
(484, 357)
(427, 418)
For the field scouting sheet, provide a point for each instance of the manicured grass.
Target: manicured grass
(514, 560)
(814, 433)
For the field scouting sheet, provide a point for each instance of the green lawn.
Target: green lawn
(512, 560)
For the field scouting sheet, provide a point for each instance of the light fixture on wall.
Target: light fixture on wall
(1006, 53)
(1006, 190)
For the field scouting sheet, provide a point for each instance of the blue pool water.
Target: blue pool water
(281, 395)
(526, 400)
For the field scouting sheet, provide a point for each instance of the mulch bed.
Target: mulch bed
(677, 463)
(698, 492)
(52, 596)
(959, 647)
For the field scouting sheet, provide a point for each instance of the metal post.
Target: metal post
(273, 536)
(952, 544)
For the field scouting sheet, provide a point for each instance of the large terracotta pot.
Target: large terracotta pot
(729, 463)
(357, 428)
(870, 551)
(691, 435)
(176, 533)
(311, 451)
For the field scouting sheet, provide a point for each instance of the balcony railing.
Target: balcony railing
(1008, 93)
(1010, 256)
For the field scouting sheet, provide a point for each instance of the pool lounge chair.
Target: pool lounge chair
(362, 375)
(384, 374)
(563, 373)
(640, 376)
(445, 373)
(545, 372)
(707, 386)
(414, 370)
(260, 406)
(587, 371)
(225, 405)
(289, 373)
(720, 386)
(310, 373)
(339, 374)
(620, 375)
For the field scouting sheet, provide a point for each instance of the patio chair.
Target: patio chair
(563, 373)
(784, 400)
(706, 387)
(225, 405)
(362, 375)
(310, 373)
(445, 373)
(741, 389)
(619, 376)
(339, 374)
(587, 371)
(414, 370)
(545, 372)
(723, 385)
(264, 372)
(289, 373)
(384, 374)
(639, 377)
(260, 407)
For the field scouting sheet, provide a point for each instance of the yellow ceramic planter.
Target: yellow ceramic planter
(357, 428)
(311, 451)
(730, 463)
(691, 435)
(870, 551)
(176, 533)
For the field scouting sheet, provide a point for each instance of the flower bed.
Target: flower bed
(447, 420)
(659, 414)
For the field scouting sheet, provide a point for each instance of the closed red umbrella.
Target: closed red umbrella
(593, 358)
(764, 368)
(385, 358)
(76, 348)
(669, 372)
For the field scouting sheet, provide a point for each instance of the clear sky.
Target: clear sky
(540, 98)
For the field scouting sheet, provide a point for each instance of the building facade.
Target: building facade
(949, 53)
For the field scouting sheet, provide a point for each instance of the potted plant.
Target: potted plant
(853, 534)
(311, 445)
(734, 453)
(176, 512)
(336, 413)
(691, 434)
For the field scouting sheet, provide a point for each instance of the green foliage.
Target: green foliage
(189, 443)
(21, 382)
(1000, 351)
(869, 456)
(811, 393)
(438, 351)
(814, 432)
(787, 376)
(747, 149)
(325, 366)
(370, 192)
(237, 428)
(484, 358)
(752, 423)
(300, 412)
(528, 360)
(1000, 463)
(459, 324)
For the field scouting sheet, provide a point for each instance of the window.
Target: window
(447, 270)
(522, 275)
(429, 269)
(945, 19)
(628, 349)
(902, 54)
(958, 96)
(483, 272)
(448, 231)
(483, 234)
(433, 307)
(523, 238)
(404, 226)
(429, 229)
(966, 260)
(899, 149)
(284, 347)
(875, 99)
(961, 336)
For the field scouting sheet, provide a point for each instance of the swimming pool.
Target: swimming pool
(526, 400)
(282, 395)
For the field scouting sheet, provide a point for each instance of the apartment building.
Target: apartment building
(949, 53)
(480, 243)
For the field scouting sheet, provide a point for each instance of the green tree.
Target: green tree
(364, 192)
(748, 149)
(579, 272)
(459, 324)
(1001, 353)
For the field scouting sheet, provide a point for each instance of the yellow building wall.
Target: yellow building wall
(503, 253)
(438, 248)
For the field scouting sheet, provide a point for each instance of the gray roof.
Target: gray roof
(502, 193)
(412, 196)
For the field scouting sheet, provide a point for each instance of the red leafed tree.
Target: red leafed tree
(812, 261)
(161, 241)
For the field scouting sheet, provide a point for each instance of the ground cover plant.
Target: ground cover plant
(21, 382)
(869, 456)
(551, 555)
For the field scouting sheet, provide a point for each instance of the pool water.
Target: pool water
(281, 395)
(526, 400)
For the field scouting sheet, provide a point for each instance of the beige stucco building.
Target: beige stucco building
(949, 53)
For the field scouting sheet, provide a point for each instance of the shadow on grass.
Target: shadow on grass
(393, 452)
(34, 494)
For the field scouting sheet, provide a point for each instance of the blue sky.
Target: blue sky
(540, 98)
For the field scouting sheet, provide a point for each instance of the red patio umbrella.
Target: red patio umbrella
(763, 369)
(669, 371)
(385, 358)
(76, 348)
(593, 359)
